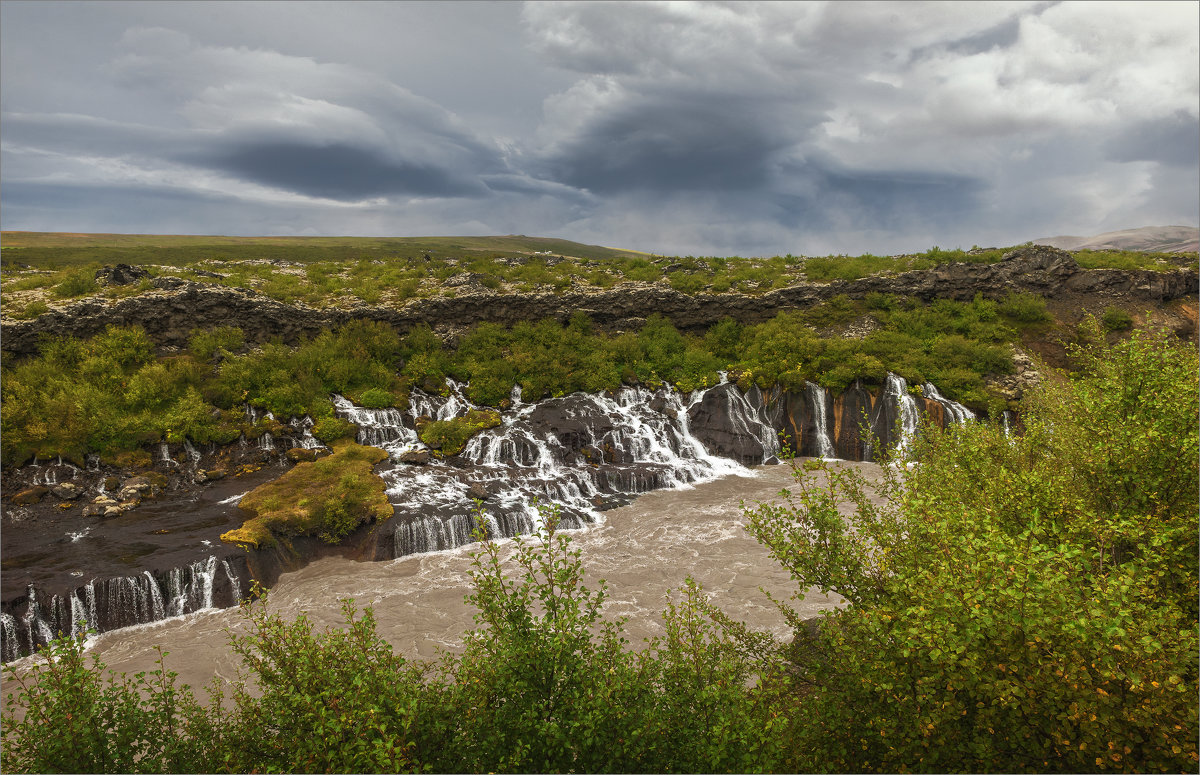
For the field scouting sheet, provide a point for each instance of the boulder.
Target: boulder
(121, 274)
(30, 496)
(168, 283)
(414, 457)
(68, 491)
(476, 491)
(300, 454)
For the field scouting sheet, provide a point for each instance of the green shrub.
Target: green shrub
(377, 398)
(1018, 604)
(330, 429)
(203, 345)
(1117, 319)
(76, 282)
(1025, 308)
(32, 310)
(100, 722)
(448, 437)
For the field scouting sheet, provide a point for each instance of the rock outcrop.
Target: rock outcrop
(169, 315)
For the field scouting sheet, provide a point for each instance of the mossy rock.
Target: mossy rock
(449, 437)
(328, 498)
(30, 496)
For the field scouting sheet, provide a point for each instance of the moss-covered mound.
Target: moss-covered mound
(328, 498)
(448, 437)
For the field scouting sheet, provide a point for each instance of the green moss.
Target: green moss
(328, 498)
(448, 437)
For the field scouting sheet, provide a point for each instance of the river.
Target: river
(643, 550)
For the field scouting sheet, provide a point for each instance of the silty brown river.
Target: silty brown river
(643, 550)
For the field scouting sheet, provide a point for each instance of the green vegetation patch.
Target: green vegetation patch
(448, 437)
(1134, 259)
(111, 395)
(328, 498)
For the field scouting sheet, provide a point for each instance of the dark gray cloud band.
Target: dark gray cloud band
(704, 128)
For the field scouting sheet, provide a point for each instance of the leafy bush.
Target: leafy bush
(1019, 603)
(1117, 319)
(448, 437)
(377, 398)
(76, 282)
(203, 345)
(68, 717)
(329, 429)
(1025, 308)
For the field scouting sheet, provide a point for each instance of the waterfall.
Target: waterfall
(83, 611)
(896, 390)
(575, 452)
(818, 397)
(112, 603)
(10, 647)
(954, 410)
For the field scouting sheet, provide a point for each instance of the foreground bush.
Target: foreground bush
(1018, 604)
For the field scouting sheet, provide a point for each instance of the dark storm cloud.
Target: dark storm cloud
(876, 199)
(702, 127)
(1174, 140)
(685, 144)
(336, 171)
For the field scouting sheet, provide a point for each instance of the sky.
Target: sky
(736, 128)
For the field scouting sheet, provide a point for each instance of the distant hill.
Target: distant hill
(1151, 239)
(138, 248)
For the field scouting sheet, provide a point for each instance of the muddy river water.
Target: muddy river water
(643, 550)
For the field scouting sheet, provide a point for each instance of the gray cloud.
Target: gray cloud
(701, 127)
(1173, 140)
(335, 171)
(686, 143)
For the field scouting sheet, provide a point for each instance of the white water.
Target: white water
(956, 412)
(818, 396)
(568, 452)
(643, 550)
(896, 389)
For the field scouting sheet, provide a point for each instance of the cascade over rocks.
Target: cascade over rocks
(168, 315)
(583, 453)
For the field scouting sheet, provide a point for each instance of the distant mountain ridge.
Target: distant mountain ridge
(1150, 239)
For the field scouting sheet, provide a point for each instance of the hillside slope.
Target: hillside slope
(1165, 239)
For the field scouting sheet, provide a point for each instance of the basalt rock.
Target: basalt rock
(169, 316)
(67, 491)
(30, 496)
(121, 274)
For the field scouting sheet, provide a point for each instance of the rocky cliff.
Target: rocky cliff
(170, 314)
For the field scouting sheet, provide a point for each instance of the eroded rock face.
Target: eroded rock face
(169, 315)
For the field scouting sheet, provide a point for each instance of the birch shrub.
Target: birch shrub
(1017, 604)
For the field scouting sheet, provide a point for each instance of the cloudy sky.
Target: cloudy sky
(706, 128)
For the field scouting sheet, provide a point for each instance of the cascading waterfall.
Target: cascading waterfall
(83, 610)
(10, 648)
(112, 603)
(574, 452)
(582, 452)
(818, 396)
(954, 410)
(896, 389)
